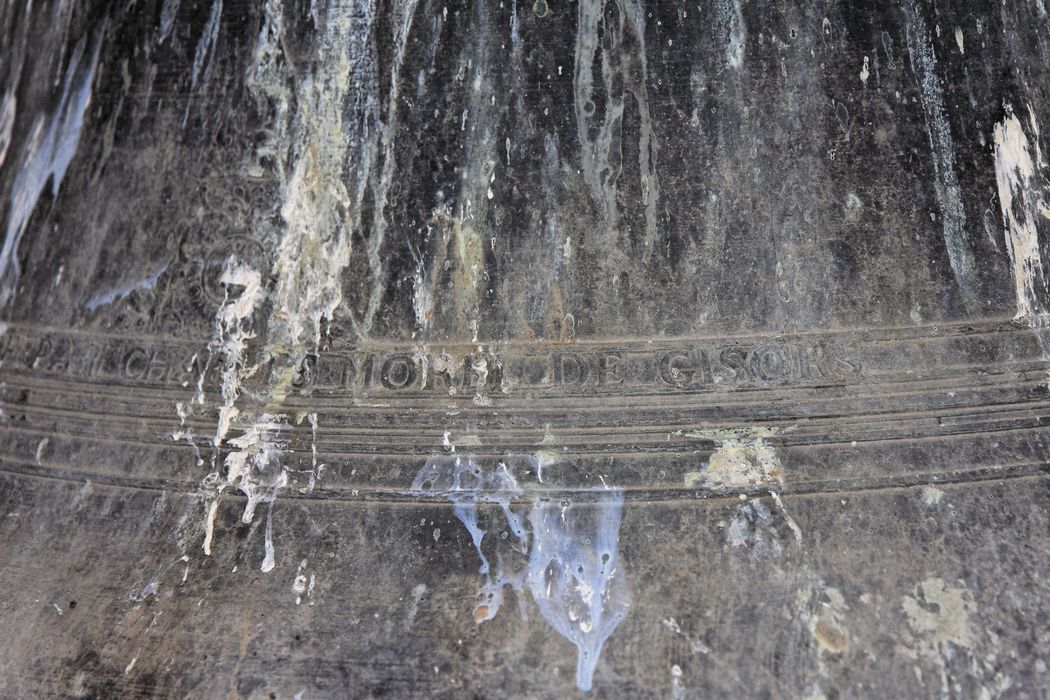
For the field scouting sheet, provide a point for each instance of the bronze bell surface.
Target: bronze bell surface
(509, 349)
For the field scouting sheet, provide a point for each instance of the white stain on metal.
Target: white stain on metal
(931, 496)
(41, 446)
(1024, 201)
(255, 466)
(1024, 197)
(731, 18)
(168, 11)
(944, 632)
(575, 575)
(206, 44)
(233, 330)
(624, 73)
(125, 290)
(573, 572)
(209, 526)
(46, 155)
(795, 529)
(742, 458)
(8, 107)
(328, 134)
(695, 644)
(942, 147)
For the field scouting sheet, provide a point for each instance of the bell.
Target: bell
(510, 349)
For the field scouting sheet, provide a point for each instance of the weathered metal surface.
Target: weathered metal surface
(712, 334)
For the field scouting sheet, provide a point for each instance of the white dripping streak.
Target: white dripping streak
(299, 583)
(732, 20)
(315, 247)
(233, 320)
(268, 559)
(422, 299)
(595, 159)
(600, 171)
(942, 146)
(167, 18)
(677, 688)
(313, 452)
(407, 11)
(205, 45)
(465, 485)
(125, 290)
(8, 107)
(795, 529)
(573, 573)
(184, 432)
(266, 82)
(232, 331)
(209, 528)
(650, 183)
(1021, 199)
(46, 155)
(470, 227)
(255, 467)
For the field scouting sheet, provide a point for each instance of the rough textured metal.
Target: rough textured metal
(404, 348)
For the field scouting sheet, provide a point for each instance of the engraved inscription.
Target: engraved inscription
(455, 371)
(515, 370)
